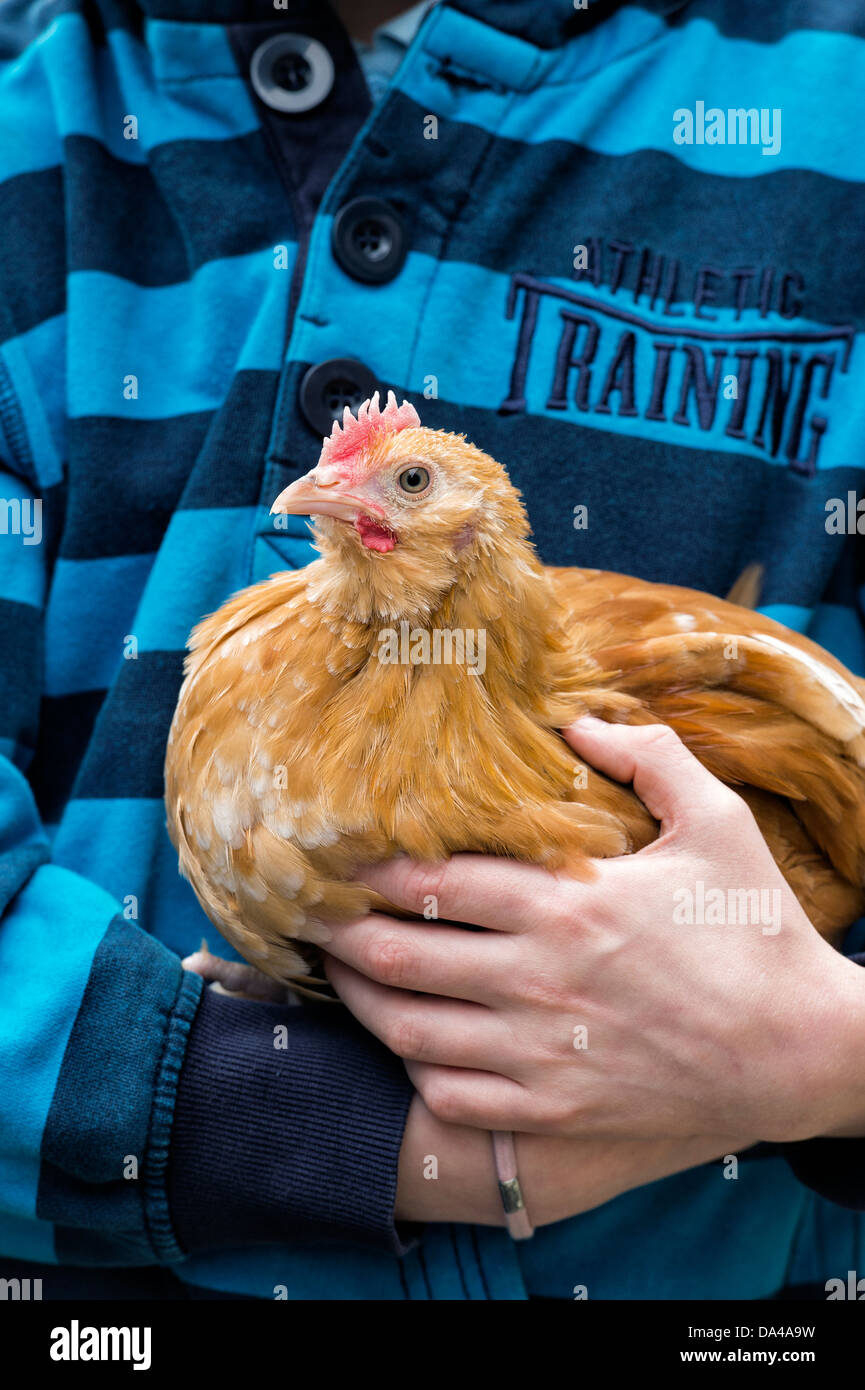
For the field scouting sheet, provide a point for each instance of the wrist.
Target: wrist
(832, 1062)
(446, 1172)
(848, 1119)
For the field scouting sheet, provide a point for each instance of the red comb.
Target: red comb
(353, 434)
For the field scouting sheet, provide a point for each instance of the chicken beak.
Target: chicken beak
(316, 494)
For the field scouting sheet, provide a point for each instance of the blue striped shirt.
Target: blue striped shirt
(641, 298)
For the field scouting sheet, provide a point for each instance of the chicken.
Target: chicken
(404, 692)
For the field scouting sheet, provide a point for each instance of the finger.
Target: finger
(436, 960)
(667, 778)
(474, 888)
(418, 1028)
(481, 1099)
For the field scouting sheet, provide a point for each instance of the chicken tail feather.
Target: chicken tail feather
(760, 664)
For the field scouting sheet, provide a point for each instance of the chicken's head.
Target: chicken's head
(402, 513)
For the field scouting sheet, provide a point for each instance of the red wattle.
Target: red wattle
(373, 536)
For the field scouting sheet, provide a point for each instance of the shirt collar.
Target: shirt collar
(381, 57)
(403, 27)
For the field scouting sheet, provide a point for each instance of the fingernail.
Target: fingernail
(588, 721)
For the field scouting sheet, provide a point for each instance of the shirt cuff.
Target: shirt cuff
(287, 1127)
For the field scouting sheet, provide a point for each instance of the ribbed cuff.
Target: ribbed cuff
(287, 1126)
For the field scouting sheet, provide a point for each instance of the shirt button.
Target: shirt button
(331, 386)
(291, 73)
(369, 240)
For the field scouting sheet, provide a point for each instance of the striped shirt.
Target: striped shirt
(622, 252)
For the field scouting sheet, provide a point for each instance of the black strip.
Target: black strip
(126, 478)
(194, 201)
(142, 471)
(229, 468)
(33, 258)
(135, 717)
(65, 730)
(21, 634)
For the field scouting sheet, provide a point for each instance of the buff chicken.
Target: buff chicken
(404, 692)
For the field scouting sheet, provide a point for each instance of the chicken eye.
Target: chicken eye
(414, 479)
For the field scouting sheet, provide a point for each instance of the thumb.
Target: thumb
(667, 778)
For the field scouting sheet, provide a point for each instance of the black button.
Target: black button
(291, 73)
(369, 240)
(331, 386)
